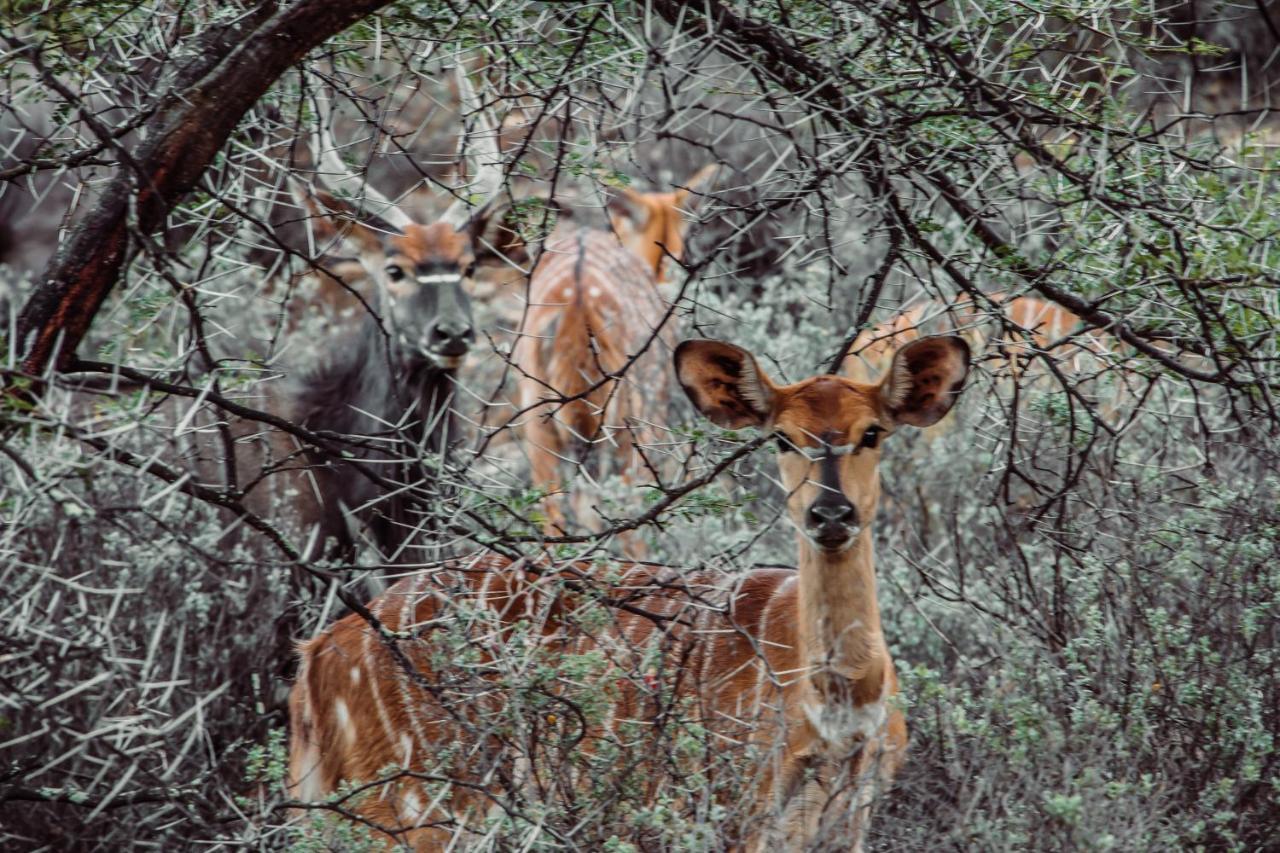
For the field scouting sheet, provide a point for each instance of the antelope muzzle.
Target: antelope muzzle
(435, 323)
(832, 521)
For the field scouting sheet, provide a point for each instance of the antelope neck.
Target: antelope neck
(841, 643)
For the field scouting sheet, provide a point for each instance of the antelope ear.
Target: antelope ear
(925, 379)
(337, 227)
(724, 383)
(496, 228)
(690, 194)
(628, 212)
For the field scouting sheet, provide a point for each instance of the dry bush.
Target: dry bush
(1077, 571)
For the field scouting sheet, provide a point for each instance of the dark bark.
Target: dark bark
(202, 106)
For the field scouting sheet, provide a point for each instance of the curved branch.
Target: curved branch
(191, 123)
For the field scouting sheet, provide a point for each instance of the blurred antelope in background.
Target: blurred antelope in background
(653, 225)
(594, 344)
(1030, 327)
(793, 662)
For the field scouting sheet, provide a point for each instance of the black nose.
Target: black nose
(452, 337)
(823, 514)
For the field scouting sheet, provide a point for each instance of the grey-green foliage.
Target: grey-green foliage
(1104, 682)
(1078, 572)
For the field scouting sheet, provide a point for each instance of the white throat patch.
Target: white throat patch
(842, 727)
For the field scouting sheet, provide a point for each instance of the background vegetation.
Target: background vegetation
(1079, 572)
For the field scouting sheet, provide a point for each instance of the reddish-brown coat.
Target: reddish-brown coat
(594, 313)
(791, 662)
(438, 242)
(737, 665)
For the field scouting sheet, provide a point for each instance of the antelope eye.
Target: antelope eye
(871, 437)
(394, 272)
(784, 444)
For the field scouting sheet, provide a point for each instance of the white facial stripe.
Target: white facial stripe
(816, 454)
(439, 278)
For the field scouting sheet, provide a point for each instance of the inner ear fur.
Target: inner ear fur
(925, 379)
(628, 208)
(724, 382)
(495, 228)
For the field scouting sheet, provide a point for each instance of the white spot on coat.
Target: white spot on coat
(308, 787)
(343, 717)
(406, 749)
(413, 807)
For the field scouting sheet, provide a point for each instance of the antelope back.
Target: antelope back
(593, 308)
(362, 712)
(597, 336)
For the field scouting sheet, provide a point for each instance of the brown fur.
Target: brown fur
(1045, 322)
(652, 225)
(340, 287)
(438, 242)
(757, 652)
(835, 614)
(593, 308)
(594, 311)
(322, 753)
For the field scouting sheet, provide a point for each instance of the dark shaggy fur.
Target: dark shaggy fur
(397, 405)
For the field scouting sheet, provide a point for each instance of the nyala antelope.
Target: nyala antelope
(1039, 327)
(389, 380)
(791, 666)
(593, 348)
